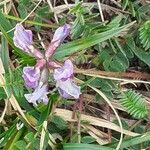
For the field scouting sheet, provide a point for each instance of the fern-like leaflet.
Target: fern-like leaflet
(145, 35)
(134, 103)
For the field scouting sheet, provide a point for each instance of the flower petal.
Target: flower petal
(22, 38)
(68, 89)
(39, 95)
(31, 76)
(64, 72)
(64, 94)
(61, 33)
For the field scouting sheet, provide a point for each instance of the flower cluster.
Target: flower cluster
(36, 77)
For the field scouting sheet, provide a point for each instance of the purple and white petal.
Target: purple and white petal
(31, 76)
(22, 38)
(64, 94)
(39, 95)
(68, 89)
(64, 72)
(63, 76)
(61, 33)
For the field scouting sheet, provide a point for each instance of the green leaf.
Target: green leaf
(142, 55)
(5, 24)
(22, 10)
(2, 94)
(78, 26)
(7, 134)
(13, 139)
(103, 84)
(4, 53)
(115, 62)
(144, 9)
(132, 9)
(14, 82)
(24, 2)
(59, 122)
(115, 22)
(45, 113)
(134, 104)
(84, 43)
(29, 137)
(71, 146)
(33, 142)
(21, 145)
(145, 35)
(133, 141)
(41, 13)
(87, 139)
(37, 19)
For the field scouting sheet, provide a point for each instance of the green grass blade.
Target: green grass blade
(32, 22)
(75, 146)
(80, 44)
(4, 54)
(133, 141)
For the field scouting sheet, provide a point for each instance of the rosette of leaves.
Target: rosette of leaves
(145, 35)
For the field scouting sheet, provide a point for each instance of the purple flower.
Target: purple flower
(22, 38)
(39, 95)
(31, 76)
(64, 82)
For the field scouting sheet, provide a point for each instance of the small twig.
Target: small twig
(14, 9)
(73, 117)
(66, 2)
(52, 9)
(108, 118)
(41, 41)
(79, 119)
(62, 8)
(47, 24)
(79, 128)
(4, 111)
(118, 76)
(43, 133)
(100, 10)
(116, 3)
